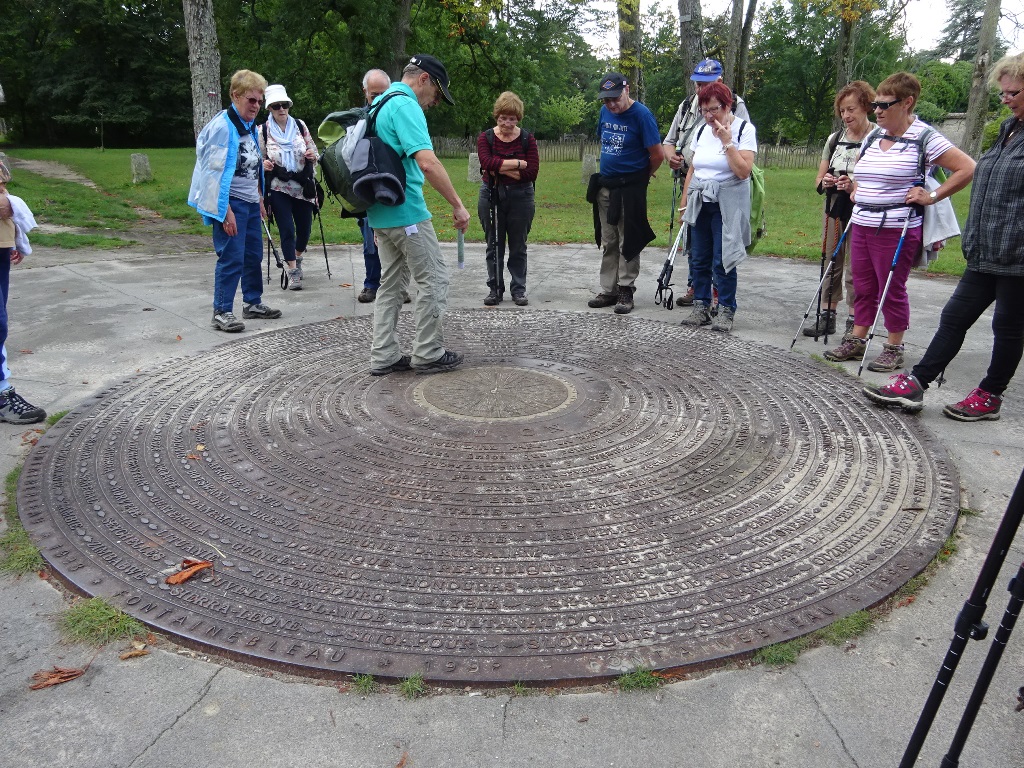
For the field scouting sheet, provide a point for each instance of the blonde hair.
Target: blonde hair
(508, 104)
(246, 80)
(1008, 65)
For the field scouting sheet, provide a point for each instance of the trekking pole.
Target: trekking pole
(828, 302)
(817, 295)
(323, 240)
(665, 278)
(969, 626)
(492, 236)
(885, 290)
(277, 258)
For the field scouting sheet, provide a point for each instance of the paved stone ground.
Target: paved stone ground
(81, 323)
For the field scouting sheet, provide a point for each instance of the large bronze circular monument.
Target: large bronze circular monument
(588, 494)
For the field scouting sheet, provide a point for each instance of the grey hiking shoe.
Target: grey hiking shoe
(723, 320)
(903, 390)
(295, 279)
(823, 326)
(624, 305)
(259, 312)
(15, 409)
(699, 315)
(226, 321)
(851, 348)
(603, 300)
(891, 359)
(446, 362)
(366, 296)
(404, 363)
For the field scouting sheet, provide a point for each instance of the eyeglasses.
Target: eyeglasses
(278, 106)
(883, 105)
(254, 100)
(710, 110)
(1007, 95)
(508, 119)
(611, 99)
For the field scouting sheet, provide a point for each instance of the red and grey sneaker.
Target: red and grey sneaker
(903, 390)
(976, 406)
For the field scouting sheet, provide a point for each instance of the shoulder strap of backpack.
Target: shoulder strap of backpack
(489, 135)
(371, 122)
(524, 137)
(870, 139)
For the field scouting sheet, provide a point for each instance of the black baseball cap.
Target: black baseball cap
(437, 72)
(612, 85)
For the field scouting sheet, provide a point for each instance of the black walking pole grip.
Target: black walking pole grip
(969, 625)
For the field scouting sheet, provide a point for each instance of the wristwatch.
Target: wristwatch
(933, 196)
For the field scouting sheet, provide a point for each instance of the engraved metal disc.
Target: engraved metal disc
(586, 495)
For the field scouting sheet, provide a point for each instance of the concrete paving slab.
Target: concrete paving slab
(89, 323)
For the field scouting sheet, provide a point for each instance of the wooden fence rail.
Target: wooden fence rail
(768, 155)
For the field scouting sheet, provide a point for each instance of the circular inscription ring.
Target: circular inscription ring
(586, 495)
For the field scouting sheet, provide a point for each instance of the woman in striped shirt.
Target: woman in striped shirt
(889, 189)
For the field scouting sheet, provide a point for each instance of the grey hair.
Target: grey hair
(371, 72)
(411, 70)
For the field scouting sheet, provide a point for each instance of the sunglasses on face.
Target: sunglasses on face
(883, 105)
(276, 107)
(255, 101)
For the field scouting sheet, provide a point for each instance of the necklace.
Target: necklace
(1012, 131)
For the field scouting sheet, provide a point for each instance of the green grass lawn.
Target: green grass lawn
(794, 209)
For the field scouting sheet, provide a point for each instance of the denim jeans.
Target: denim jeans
(238, 257)
(371, 259)
(294, 221)
(973, 295)
(514, 211)
(706, 259)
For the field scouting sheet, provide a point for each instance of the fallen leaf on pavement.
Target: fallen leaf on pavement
(178, 337)
(133, 654)
(404, 761)
(45, 678)
(25, 351)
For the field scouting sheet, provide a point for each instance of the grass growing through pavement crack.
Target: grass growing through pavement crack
(365, 684)
(97, 622)
(640, 679)
(17, 552)
(412, 687)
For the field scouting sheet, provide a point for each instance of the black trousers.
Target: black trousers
(973, 295)
(514, 217)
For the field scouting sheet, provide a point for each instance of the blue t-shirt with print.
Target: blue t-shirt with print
(402, 125)
(625, 138)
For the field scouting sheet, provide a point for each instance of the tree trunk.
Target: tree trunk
(399, 37)
(844, 62)
(630, 35)
(741, 66)
(732, 48)
(977, 107)
(690, 25)
(203, 61)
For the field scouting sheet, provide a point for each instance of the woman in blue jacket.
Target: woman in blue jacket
(227, 189)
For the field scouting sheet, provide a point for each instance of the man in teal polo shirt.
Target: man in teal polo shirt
(405, 235)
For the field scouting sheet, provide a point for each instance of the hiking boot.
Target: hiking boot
(687, 299)
(520, 299)
(404, 363)
(295, 279)
(366, 295)
(698, 316)
(226, 321)
(15, 409)
(446, 362)
(259, 312)
(851, 348)
(976, 406)
(406, 298)
(891, 359)
(723, 320)
(849, 324)
(903, 389)
(825, 325)
(493, 299)
(603, 300)
(625, 303)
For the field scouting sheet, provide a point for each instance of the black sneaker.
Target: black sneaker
(493, 299)
(446, 362)
(226, 321)
(14, 409)
(259, 312)
(604, 300)
(404, 363)
(520, 299)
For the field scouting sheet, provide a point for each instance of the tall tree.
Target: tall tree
(203, 61)
(690, 26)
(630, 42)
(740, 82)
(732, 50)
(960, 36)
(977, 107)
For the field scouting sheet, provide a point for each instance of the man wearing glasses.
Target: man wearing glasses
(630, 154)
(406, 240)
(227, 190)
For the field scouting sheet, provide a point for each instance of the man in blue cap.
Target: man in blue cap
(406, 240)
(687, 120)
(630, 154)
